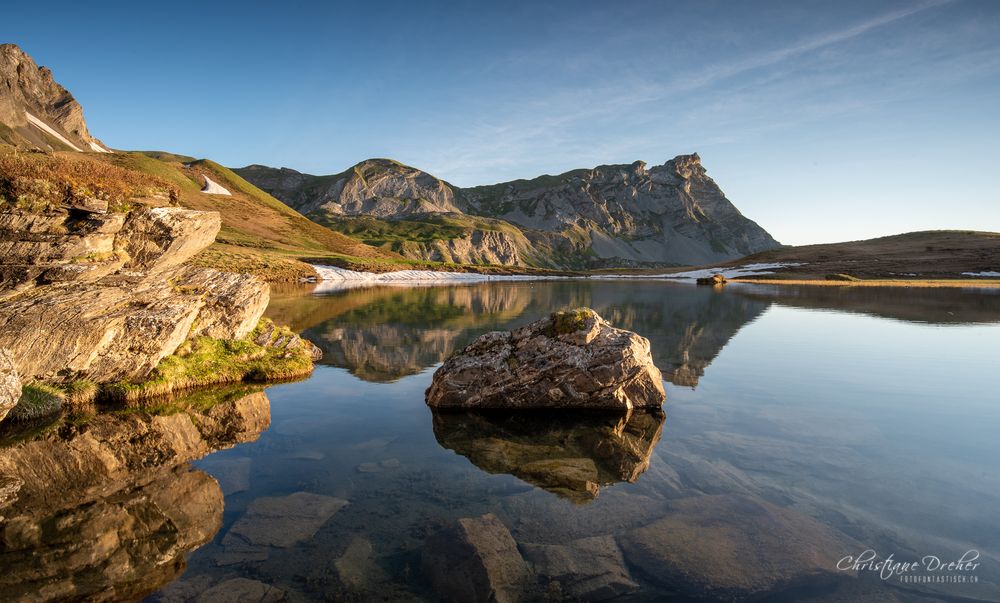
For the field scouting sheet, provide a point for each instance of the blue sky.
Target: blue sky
(822, 121)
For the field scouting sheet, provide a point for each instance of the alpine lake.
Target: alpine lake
(816, 443)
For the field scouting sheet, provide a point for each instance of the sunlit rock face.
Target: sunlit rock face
(571, 454)
(107, 508)
(571, 359)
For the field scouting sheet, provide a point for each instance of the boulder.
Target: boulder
(164, 237)
(475, 560)
(570, 359)
(10, 384)
(716, 280)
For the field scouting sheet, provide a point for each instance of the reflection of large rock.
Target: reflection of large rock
(119, 547)
(571, 359)
(107, 509)
(732, 547)
(10, 384)
(570, 454)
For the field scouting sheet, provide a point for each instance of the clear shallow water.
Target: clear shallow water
(801, 426)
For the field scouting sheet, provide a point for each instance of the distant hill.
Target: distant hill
(614, 215)
(924, 254)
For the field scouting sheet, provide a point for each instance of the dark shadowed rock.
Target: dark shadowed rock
(716, 280)
(10, 384)
(475, 560)
(571, 359)
(588, 569)
(241, 590)
(734, 547)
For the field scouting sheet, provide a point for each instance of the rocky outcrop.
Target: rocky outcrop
(107, 510)
(382, 188)
(672, 213)
(568, 360)
(10, 384)
(572, 455)
(104, 296)
(39, 111)
(475, 560)
(476, 246)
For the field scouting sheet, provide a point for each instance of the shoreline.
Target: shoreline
(924, 283)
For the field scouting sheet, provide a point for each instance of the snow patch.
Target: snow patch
(337, 279)
(728, 272)
(98, 148)
(47, 128)
(214, 188)
(985, 273)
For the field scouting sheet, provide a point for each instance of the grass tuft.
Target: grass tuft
(206, 361)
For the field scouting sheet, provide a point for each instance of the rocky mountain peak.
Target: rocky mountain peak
(36, 109)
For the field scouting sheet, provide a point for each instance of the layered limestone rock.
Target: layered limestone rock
(475, 247)
(107, 510)
(104, 296)
(672, 213)
(568, 360)
(10, 383)
(572, 455)
(32, 104)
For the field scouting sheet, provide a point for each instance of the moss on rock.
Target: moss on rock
(268, 353)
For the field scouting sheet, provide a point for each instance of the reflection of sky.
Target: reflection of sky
(882, 428)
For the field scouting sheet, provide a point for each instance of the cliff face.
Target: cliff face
(672, 213)
(607, 216)
(38, 111)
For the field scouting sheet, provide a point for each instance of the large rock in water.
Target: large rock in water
(571, 359)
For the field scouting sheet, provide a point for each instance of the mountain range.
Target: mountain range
(607, 216)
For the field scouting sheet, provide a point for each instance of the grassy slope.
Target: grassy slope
(259, 234)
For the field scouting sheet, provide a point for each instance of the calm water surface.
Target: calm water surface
(801, 426)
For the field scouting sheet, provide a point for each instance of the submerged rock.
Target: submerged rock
(568, 360)
(282, 521)
(588, 569)
(10, 384)
(734, 547)
(475, 560)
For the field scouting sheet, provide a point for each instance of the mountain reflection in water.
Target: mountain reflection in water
(571, 454)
